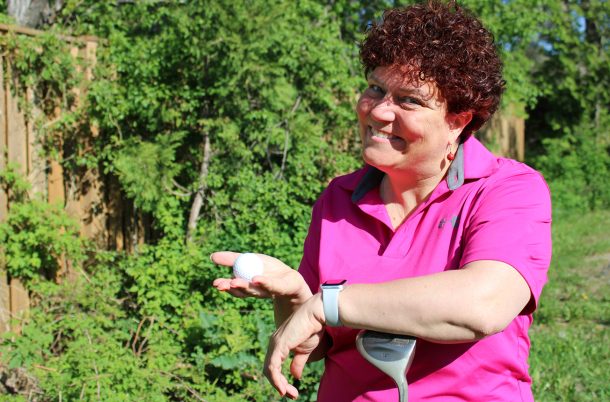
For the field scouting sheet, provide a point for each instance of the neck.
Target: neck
(402, 195)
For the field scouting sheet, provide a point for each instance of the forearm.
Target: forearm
(452, 306)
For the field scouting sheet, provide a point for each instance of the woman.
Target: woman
(436, 237)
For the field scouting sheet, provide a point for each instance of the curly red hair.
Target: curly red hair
(443, 43)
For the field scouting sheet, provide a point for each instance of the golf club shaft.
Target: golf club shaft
(403, 395)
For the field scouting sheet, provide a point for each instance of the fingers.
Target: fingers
(298, 364)
(240, 288)
(232, 283)
(289, 336)
(273, 372)
(291, 391)
(270, 284)
(226, 258)
(280, 382)
(222, 284)
(274, 375)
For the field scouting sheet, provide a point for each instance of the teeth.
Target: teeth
(377, 134)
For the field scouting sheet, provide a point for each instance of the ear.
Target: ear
(457, 122)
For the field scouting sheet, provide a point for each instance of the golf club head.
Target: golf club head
(390, 353)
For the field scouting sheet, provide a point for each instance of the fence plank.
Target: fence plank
(3, 139)
(17, 151)
(5, 304)
(17, 144)
(37, 164)
(20, 304)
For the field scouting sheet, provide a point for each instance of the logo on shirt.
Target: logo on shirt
(454, 220)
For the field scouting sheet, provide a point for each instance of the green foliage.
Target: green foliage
(84, 343)
(161, 280)
(43, 64)
(263, 86)
(145, 169)
(13, 183)
(267, 90)
(580, 167)
(515, 25)
(568, 126)
(35, 236)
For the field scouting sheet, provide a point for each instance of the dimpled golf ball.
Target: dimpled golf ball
(247, 266)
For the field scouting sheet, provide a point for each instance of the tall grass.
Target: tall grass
(570, 358)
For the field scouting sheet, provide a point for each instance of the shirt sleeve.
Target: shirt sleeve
(512, 224)
(311, 249)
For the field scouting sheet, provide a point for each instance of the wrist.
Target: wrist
(317, 308)
(331, 290)
(297, 298)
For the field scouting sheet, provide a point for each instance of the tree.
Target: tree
(33, 13)
(568, 126)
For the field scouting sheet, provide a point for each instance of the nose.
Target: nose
(383, 112)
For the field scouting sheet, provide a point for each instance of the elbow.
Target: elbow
(484, 324)
(483, 331)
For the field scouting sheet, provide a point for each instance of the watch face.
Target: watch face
(335, 282)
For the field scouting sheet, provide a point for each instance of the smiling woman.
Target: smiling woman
(453, 50)
(434, 237)
(406, 128)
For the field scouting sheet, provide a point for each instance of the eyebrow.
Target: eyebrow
(401, 90)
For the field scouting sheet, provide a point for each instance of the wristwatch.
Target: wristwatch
(330, 300)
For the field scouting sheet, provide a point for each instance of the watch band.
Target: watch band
(330, 301)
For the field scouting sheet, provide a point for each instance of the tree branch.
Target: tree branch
(198, 200)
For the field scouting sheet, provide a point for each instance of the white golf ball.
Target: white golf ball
(247, 266)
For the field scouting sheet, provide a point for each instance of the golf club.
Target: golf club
(390, 353)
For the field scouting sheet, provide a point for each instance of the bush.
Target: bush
(577, 167)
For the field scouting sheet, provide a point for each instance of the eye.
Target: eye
(375, 89)
(408, 101)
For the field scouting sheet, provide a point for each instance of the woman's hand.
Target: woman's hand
(300, 333)
(278, 280)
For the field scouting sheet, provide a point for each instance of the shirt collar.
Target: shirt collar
(472, 161)
(478, 161)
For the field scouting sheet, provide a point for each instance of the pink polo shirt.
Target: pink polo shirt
(499, 209)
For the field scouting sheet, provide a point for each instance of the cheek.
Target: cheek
(363, 107)
(415, 128)
(436, 129)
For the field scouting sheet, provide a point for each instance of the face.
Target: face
(405, 128)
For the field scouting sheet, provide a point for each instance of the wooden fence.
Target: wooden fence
(19, 144)
(504, 135)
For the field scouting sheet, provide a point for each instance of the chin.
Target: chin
(375, 162)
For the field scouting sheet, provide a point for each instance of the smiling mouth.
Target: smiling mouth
(382, 136)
